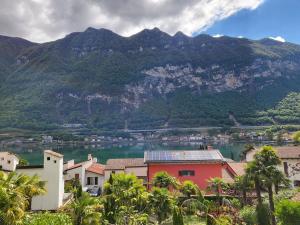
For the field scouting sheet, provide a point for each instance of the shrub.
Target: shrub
(224, 220)
(263, 214)
(248, 215)
(235, 203)
(288, 212)
(47, 219)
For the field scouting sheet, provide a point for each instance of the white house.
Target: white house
(89, 173)
(8, 161)
(52, 173)
(290, 161)
(135, 166)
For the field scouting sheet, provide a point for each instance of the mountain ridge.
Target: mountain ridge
(149, 79)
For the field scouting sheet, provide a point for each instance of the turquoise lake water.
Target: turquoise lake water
(79, 153)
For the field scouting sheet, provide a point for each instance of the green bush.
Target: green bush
(263, 214)
(47, 219)
(288, 212)
(224, 220)
(248, 215)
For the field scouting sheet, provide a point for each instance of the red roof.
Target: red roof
(238, 168)
(96, 168)
(74, 166)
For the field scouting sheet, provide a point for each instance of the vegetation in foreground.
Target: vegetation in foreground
(260, 197)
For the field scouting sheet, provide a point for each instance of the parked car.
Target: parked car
(94, 191)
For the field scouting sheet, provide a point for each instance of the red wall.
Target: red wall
(202, 172)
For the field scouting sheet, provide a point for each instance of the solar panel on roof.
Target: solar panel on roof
(198, 155)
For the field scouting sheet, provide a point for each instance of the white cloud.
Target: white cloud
(44, 20)
(218, 35)
(240, 36)
(278, 38)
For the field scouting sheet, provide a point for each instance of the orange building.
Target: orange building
(197, 166)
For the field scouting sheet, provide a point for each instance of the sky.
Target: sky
(47, 20)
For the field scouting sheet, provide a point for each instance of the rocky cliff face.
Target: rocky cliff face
(150, 79)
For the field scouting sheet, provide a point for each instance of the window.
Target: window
(89, 181)
(2, 158)
(92, 181)
(8, 161)
(297, 183)
(286, 169)
(48, 158)
(77, 176)
(54, 161)
(183, 173)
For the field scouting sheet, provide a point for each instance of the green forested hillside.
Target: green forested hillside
(149, 80)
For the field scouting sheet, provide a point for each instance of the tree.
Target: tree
(164, 180)
(253, 173)
(189, 188)
(241, 185)
(217, 185)
(86, 210)
(296, 137)
(288, 212)
(16, 192)
(263, 214)
(125, 197)
(264, 170)
(161, 203)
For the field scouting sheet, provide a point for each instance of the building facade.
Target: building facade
(197, 166)
(52, 173)
(290, 162)
(8, 161)
(89, 173)
(134, 166)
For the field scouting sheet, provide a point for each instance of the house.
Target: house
(236, 168)
(52, 173)
(89, 173)
(197, 166)
(290, 161)
(135, 166)
(8, 161)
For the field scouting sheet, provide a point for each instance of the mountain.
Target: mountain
(148, 80)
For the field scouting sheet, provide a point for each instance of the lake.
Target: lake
(34, 154)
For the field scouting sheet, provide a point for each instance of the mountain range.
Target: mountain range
(102, 80)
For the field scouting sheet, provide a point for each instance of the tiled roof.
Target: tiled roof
(74, 166)
(120, 164)
(56, 154)
(181, 156)
(288, 152)
(238, 168)
(96, 168)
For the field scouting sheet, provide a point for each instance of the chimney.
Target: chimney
(90, 157)
(209, 147)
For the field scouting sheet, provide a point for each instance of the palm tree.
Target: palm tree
(161, 203)
(264, 171)
(189, 188)
(253, 173)
(124, 194)
(16, 192)
(216, 185)
(242, 184)
(164, 180)
(86, 210)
